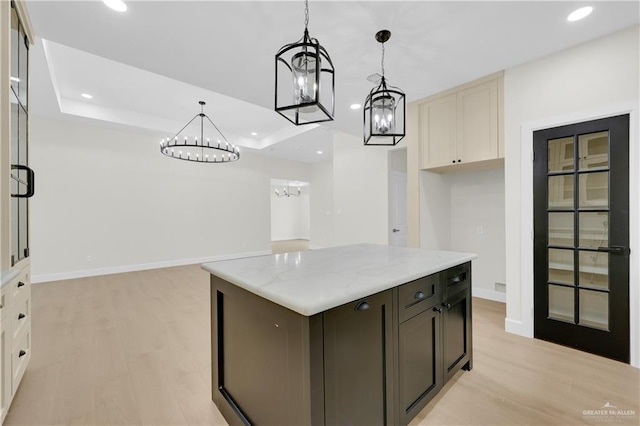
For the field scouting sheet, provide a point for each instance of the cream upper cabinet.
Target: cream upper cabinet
(438, 128)
(462, 126)
(478, 123)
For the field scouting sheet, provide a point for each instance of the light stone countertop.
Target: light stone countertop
(314, 281)
(6, 276)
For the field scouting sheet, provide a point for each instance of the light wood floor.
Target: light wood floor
(287, 246)
(134, 349)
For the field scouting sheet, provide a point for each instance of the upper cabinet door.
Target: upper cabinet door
(478, 123)
(438, 132)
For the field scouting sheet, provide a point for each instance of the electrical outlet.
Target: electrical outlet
(89, 258)
(500, 287)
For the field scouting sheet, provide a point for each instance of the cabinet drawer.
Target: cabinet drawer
(20, 358)
(457, 279)
(417, 296)
(21, 285)
(5, 299)
(21, 317)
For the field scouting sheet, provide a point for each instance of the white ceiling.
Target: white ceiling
(149, 66)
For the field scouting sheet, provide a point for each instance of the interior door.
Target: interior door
(581, 227)
(397, 209)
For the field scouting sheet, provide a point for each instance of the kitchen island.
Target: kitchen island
(361, 335)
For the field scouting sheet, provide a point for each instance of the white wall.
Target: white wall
(465, 212)
(435, 211)
(290, 216)
(589, 81)
(477, 225)
(360, 191)
(322, 204)
(111, 195)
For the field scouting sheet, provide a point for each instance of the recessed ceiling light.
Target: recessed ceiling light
(16, 79)
(579, 14)
(86, 96)
(117, 5)
(254, 134)
(318, 152)
(356, 106)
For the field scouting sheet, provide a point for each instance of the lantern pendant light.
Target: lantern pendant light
(305, 80)
(384, 109)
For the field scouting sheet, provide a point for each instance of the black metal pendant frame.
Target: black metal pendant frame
(294, 111)
(371, 137)
(176, 148)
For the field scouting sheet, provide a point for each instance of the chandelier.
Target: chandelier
(286, 192)
(305, 80)
(210, 148)
(384, 109)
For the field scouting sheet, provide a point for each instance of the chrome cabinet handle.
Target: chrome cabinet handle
(436, 309)
(419, 295)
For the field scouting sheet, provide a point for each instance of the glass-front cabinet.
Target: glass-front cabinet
(16, 187)
(22, 177)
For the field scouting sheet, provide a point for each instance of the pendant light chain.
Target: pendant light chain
(382, 60)
(306, 14)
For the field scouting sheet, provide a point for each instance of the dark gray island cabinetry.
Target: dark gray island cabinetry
(285, 351)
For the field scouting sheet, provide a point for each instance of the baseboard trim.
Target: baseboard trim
(141, 267)
(483, 293)
(517, 327)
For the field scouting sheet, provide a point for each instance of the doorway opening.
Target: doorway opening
(397, 167)
(290, 216)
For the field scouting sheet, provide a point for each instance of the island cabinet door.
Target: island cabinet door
(358, 362)
(419, 362)
(456, 337)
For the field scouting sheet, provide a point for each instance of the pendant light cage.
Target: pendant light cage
(384, 109)
(305, 81)
(200, 141)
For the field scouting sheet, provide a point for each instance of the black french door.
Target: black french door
(581, 236)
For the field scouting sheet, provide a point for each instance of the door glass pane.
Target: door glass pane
(594, 190)
(594, 229)
(23, 69)
(561, 266)
(15, 49)
(561, 229)
(560, 154)
(593, 150)
(594, 269)
(561, 192)
(561, 303)
(594, 309)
